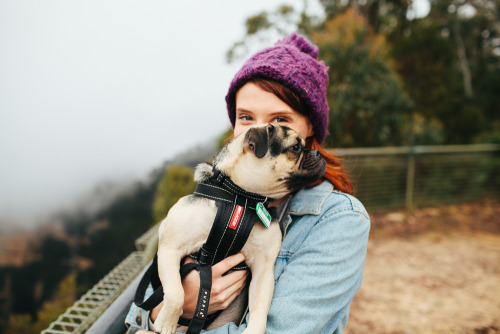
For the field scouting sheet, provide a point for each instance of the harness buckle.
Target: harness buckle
(218, 177)
(204, 257)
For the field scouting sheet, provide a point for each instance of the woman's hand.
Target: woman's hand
(225, 288)
(224, 291)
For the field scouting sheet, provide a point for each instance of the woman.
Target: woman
(320, 265)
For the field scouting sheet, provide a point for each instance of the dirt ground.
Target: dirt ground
(436, 270)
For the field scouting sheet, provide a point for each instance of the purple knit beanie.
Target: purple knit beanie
(292, 62)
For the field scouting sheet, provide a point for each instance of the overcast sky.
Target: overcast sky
(94, 91)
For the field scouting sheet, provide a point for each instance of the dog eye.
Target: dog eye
(296, 148)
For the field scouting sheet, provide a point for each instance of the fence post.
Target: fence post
(410, 179)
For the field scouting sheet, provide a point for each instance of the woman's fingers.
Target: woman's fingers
(224, 287)
(228, 300)
(224, 282)
(228, 284)
(223, 295)
(229, 262)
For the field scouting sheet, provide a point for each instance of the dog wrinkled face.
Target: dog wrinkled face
(271, 160)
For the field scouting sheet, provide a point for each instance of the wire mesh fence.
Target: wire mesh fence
(411, 177)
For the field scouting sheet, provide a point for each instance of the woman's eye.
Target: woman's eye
(245, 118)
(280, 120)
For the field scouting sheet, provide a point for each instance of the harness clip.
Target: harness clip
(205, 256)
(218, 177)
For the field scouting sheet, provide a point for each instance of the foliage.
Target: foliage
(451, 73)
(448, 65)
(50, 310)
(104, 238)
(424, 60)
(224, 138)
(31, 284)
(365, 94)
(126, 219)
(384, 16)
(266, 27)
(175, 183)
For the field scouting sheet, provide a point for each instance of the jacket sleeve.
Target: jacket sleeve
(315, 289)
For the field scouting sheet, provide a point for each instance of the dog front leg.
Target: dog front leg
(260, 294)
(260, 252)
(173, 293)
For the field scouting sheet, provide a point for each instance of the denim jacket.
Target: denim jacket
(320, 265)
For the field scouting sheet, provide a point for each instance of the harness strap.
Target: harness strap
(232, 226)
(200, 316)
(151, 275)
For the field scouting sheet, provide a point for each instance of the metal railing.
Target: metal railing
(410, 177)
(385, 178)
(85, 311)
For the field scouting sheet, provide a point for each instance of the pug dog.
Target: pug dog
(268, 160)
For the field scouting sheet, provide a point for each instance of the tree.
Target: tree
(224, 138)
(175, 183)
(447, 64)
(124, 220)
(50, 310)
(266, 27)
(384, 16)
(368, 106)
(451, 69)
(365, 95)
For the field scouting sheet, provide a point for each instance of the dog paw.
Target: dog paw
(162, 329)
(165, 323)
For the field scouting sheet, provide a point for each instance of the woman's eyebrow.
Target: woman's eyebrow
(243, 110)
(281, 112)
(272, 113)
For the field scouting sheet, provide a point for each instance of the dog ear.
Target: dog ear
(257, 140)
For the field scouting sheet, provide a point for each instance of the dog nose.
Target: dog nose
(314, 153)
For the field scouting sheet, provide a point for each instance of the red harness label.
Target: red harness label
(235, 220)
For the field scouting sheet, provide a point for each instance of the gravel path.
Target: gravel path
(442, 276)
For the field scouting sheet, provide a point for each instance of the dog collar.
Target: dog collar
(220, 187)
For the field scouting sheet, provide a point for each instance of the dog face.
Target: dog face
(270, 160)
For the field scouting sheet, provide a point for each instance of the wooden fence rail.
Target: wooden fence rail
(407, 177)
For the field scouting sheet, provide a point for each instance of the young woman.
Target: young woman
(325, 229)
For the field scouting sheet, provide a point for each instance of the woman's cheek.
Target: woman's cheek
(239, 129)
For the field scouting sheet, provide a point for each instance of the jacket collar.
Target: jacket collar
(309, 201)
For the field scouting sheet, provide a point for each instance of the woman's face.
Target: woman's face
(255, 106)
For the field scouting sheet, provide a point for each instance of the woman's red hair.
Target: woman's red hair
(335, 173)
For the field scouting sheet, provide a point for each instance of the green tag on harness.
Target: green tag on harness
(263, 214)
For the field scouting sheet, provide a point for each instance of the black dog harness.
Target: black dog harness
(236, 214)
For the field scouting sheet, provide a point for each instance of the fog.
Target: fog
(94, 92)
(99, 93)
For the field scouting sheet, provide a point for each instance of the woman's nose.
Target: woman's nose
(261, 122)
